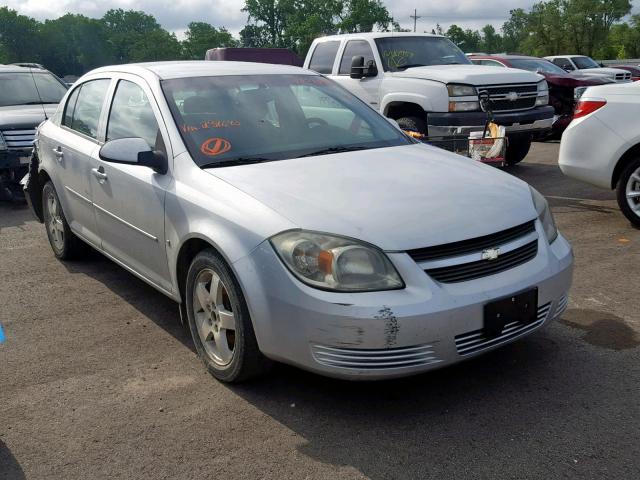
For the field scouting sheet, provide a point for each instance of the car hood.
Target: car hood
(566, 80)
(24, 116)
(604, 71)
(470, 74)
(397, 198)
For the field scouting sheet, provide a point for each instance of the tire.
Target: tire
(413, 124)
(517, 149)
(220, 324)
(64, 243)
(628, 182)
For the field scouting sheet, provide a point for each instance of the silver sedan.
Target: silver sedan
(293, 223)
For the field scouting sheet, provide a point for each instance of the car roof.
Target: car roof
(17, 69)
(374, 35)
(200, 68)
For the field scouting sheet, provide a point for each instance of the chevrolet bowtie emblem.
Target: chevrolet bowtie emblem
(512, 96)
(490, 254)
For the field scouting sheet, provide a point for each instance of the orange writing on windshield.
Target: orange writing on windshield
(215, 146)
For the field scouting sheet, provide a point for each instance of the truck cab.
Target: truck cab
(429, 86)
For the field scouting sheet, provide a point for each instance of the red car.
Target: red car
(564, 89)
(634, 69)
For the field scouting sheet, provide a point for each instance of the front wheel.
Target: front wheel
(413, 124)
(219, 320)
(628, 192)
(64, 243)
(517, 148)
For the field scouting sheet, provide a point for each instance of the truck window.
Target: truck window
(360, 48)
(323, 57)
(563, 63)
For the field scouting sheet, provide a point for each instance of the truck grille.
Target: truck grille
(503, 97)
(475, 341)
(374, 359)
(19, 139)
(623, 77)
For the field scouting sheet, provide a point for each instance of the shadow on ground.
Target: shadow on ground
(10, 469)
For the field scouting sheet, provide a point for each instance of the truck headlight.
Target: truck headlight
(459, 90)
(543, 93)
(331, 262)
(544, 215)
(3, 143)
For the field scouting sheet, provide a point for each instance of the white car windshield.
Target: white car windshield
(228, 120)
(17, 88)
(399, 53)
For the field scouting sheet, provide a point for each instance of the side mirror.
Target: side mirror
(133, 151)
(371, 70)
(357, 67)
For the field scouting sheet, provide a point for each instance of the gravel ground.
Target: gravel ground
(97, 379)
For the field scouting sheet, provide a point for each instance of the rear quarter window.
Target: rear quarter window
(323, 57)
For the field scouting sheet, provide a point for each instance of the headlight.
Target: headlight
(464, 106)
(335, 263)
(545, 215)
(3, 144)
(457, 90)
(543, 93)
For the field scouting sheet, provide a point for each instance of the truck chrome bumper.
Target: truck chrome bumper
(446, 131)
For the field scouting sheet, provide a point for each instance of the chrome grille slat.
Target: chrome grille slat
(374, 358)
(19, 139)
(475, 341)
(527, 94)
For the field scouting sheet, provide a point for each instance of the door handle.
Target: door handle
(59, 153)
(99, 174)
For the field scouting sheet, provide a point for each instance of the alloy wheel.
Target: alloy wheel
(214, 317)
(633, 192)
(55, 224)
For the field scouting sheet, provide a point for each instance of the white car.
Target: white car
(602, 144)
(583, 65)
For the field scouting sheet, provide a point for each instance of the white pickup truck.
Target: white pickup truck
(428, 85)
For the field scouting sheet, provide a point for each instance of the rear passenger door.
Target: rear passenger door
(129, 199)
(73, 146)
(367, 88)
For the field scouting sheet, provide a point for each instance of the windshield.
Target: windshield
(585, 62)
(398, 53)
(244, 119)
(534, 65)
(20, 89)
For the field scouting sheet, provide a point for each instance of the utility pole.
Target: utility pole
(415, 17)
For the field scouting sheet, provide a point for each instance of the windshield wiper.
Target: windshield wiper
(411, 65)
(327, 151)
(37, 102)
(236, 161)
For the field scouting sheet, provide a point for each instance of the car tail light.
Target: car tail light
(585, 107)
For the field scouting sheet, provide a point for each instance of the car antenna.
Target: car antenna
(38, 92)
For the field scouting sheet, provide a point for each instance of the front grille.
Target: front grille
(475, 341)
(623, 76)
(498, 96)
(483, 268)
(472, 245)
(561, 307)
(374, 359)
(19, 139)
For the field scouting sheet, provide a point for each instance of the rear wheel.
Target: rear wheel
(628, 191)
(64, 243)
(413, 124)
(517, 148)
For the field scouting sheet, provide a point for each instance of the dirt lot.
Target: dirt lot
(98, 380)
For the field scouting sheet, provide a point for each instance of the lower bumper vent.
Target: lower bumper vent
(375, 359)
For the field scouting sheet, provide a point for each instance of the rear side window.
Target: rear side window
(88, 106)
(355, 48)
(323, 57)
(71, 105)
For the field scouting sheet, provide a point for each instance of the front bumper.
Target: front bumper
(15, 159)
(395, 333)
(537, 120)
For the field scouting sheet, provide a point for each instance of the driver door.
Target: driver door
(367, 88)
(129, 199)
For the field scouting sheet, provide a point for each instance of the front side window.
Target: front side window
(355, 48)
(323, 57)
(245, 119)
(131, 115)
(563, 63)
(399, 53)
(88, 106)
(585, 62)
(18, 88)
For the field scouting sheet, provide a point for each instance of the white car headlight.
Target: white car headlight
(335, 263)
(543, 93)
(544, 215)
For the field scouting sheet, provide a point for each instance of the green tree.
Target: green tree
(271, 16)
(201, 36)
(491, 40)
(155, 46)
(254, 36)
(363, 16)
(515, 30)
(126, 29)
(19, 37)
(456, 35)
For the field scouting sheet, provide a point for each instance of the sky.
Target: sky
(174, 15)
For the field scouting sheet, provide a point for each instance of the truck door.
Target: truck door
(367, 88)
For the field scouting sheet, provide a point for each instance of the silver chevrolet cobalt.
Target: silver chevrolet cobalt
(293, 223)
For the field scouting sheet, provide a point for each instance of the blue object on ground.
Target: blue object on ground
(1, 335)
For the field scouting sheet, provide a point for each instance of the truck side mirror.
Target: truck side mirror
(357, 67)
(371, 70)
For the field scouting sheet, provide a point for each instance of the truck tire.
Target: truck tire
(517, 148)
(628, 186)
(219, 321)
(64, 243)
(413, 124)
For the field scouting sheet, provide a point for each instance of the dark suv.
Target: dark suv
(27, 97)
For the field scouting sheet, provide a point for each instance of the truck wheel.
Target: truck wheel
(219, 321)
(517, 148)
(413, 124)
(64, 243)
(628, 191)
